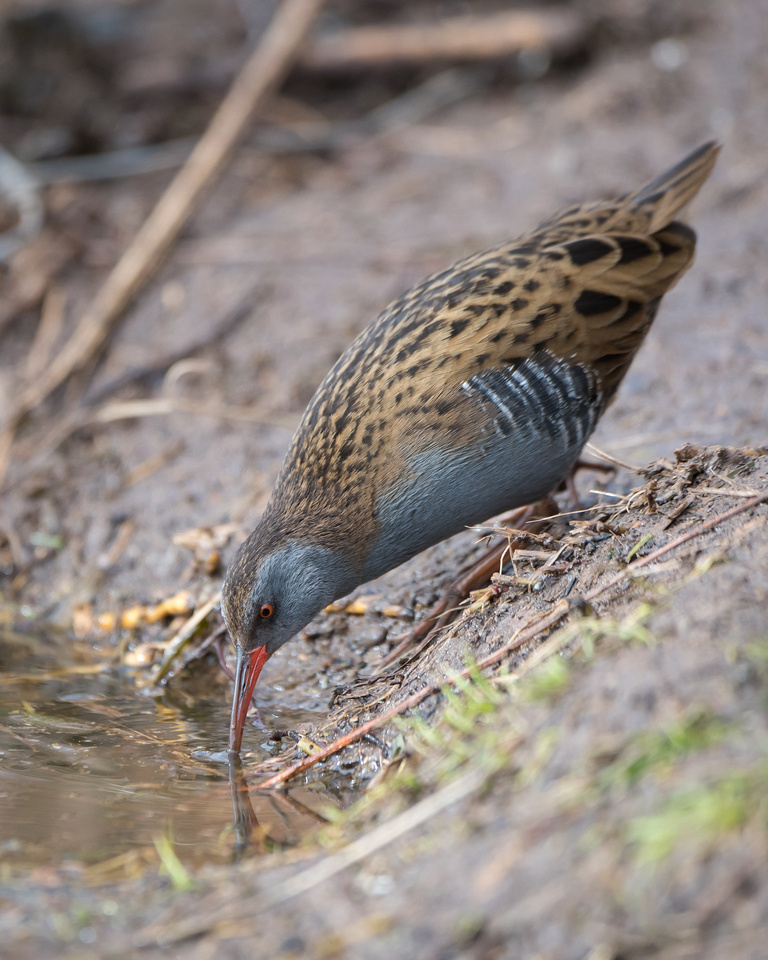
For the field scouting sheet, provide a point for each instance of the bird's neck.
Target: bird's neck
(328, 573)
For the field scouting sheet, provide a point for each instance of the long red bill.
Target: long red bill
(247, 672)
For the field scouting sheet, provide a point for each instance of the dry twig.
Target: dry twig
(533, 629)
(262, 72)
(184, 637)
(458, 38)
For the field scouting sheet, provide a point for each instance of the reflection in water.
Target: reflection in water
(242, 809)
(285, 810)
(92, 771)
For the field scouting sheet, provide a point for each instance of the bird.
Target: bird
(471, 394)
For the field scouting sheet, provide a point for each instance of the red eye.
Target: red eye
(266, 611)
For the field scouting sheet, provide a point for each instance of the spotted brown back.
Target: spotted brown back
(583, 287)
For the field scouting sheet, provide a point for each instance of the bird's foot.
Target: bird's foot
(570, 484)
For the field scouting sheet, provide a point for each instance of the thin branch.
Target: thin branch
(526, 634)
(609, 458)
(380, 836)
(242, 910)
(673, 544)
(472, 37)
(263, 71)
(184, 637)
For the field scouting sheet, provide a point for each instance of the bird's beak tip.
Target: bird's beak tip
(247, 672)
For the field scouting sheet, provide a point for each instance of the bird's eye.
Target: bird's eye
(266, 611)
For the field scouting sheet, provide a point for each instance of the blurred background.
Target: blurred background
(404, 135)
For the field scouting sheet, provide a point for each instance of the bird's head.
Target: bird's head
(270, 593)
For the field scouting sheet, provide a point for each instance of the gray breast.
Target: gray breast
(531, 422)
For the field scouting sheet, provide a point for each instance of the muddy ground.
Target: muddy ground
(615, 806)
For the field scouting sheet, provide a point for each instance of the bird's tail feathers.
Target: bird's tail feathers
(666, 195)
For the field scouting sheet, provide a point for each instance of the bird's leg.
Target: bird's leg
(569, 482)
(470, 579)
(595, 467)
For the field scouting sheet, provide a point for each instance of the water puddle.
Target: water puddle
(94, 773)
